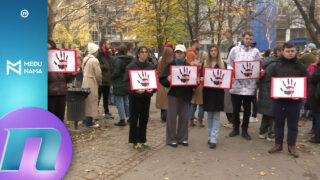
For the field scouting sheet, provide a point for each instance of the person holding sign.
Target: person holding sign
(287, 108)
(213, 98)
(243, 91)
(57, 89)
(179, 98)
(139, 102)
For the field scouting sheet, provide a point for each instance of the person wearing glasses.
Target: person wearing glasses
(139, 102)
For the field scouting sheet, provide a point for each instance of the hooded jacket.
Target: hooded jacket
(120, 87)
(106, 65)
(243, 53)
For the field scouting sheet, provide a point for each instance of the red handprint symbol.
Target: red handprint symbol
(289, 88)
(247, 70)
(144, 77)
(62, 60)
(217, 78)
(185, 75)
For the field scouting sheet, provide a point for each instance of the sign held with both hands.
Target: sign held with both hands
(184, 75)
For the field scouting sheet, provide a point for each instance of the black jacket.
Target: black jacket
(314, 103)
(289, 68)
(213, 99)
(184, 92)
(106, 65)
(120, 87)
(137, 65)
(264, 85)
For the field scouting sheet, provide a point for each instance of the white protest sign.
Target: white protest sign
(184, 75)
(289, 87)
(217, 78)
(62, 61)
(247, 69)
(143, 79)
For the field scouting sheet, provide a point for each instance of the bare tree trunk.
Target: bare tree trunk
(230, 20)
(51, 17)
(212, 28)
(220, 22)
(308, 23)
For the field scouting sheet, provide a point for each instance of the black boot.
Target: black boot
(120, 123)
(234, 132)
(245, 134)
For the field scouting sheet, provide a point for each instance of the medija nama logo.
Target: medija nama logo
(11, 66)
(34, 144)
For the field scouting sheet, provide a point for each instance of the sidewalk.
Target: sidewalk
(106, 154)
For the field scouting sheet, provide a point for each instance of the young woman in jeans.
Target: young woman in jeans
(121, 88)
(213, 99)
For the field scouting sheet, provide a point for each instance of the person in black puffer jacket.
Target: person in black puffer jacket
(139, 102)
(289, 66)
(264, 100)
(179, 98)
(314, 102)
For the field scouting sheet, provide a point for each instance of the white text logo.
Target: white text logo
(11, 66)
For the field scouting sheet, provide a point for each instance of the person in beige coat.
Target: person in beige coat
(162, 97)
(92, 78)
(197, 95)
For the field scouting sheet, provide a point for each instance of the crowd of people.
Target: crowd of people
(177, 104)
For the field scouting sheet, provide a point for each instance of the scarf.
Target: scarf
(106, 52)
(179, 62)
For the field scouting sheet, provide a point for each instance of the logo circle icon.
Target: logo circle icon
(24, 13)
(34, 144)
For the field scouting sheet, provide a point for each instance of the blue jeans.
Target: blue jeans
(111, 97)
(88, 121)
(122, 103)
(193, 108)
(213, 125)
(316, 119)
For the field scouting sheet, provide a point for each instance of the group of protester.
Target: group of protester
(179, 103)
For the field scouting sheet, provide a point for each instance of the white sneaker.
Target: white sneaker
(262, 136)
(253, 119)
(95, 126)
(270, 139)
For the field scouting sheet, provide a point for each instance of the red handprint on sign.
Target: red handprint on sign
(247, 70)
(62, 60)
(185, 75)
(289, 88)
(217, 78)
(144, 77)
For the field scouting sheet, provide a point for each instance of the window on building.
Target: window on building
(281, 35)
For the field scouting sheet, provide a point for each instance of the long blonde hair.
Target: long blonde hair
(218, 58)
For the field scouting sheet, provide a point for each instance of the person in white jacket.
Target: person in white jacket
(243, 91)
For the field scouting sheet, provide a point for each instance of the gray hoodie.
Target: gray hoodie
(243, 53)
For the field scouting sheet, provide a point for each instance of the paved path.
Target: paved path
(105, 154)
